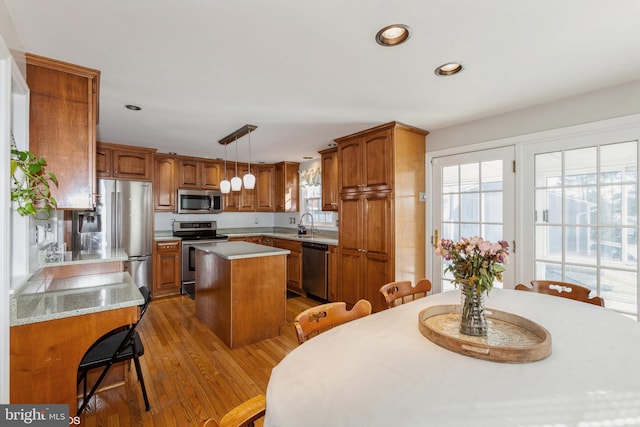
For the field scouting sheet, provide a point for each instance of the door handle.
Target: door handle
(435, 238)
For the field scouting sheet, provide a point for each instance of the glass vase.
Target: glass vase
(473, 320)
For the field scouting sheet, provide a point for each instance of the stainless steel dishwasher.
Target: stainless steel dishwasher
(314, 269)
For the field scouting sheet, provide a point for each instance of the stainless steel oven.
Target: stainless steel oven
(192, 233)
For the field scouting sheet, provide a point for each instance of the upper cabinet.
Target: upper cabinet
(164, 183)
(265, 188)
(62, 126)
(366, 162)
(287, 186)
(199, 173)
(124, 162)
(330, 190)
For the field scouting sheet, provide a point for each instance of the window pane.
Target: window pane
(610, 205)
(450, 179)
(619, 289)
(492, 207)
(492, 175)
(469, 230)
(549, 243)
(548, 270)
(618, 162)
(581, 205)
(450, 207)
(492, 232)
(581, 166)
(469, 209)
(581, 244)
(585, 276)
(469, 176)
(548, 168)
(450, 231)
(549, 206)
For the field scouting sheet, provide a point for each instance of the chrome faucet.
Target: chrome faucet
(311, 216)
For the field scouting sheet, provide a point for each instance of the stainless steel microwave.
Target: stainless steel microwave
(199, 201)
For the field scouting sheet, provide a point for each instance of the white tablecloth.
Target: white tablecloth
(381, 371)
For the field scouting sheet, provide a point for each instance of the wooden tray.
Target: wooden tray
(510, 338)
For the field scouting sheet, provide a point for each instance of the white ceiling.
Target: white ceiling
(306, 73)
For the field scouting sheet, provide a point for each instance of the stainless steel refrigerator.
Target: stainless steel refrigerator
(123, 219)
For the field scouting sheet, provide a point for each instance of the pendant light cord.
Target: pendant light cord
(249, 151)
(236, 156)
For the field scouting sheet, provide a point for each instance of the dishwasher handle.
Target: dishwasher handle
(318, 246)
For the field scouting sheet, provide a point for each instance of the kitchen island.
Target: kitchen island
(241, 290)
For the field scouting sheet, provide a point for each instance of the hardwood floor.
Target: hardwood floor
(189, 373)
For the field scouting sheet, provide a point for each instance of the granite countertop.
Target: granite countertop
(281, 233)
(44, 299)
(239, 250)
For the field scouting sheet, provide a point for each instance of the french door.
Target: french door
(585, 214)
(473, 194)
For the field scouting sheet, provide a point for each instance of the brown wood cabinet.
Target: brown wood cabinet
(249, 239)
(330, 190)
(199, 173)
(124, 162)
(294, 263)
(164, 183)
(243, 200)
(166, 268)
(62, 126)
(382, 221)
(287, 186)
(265, 188)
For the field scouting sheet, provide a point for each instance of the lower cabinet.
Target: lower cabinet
(294, 263)
(332, 274)
(166, 268)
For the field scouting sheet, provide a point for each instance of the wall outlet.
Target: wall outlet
(255, 220)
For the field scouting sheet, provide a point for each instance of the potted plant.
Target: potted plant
(30, 184)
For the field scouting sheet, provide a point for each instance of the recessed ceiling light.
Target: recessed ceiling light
(393, 35)
(133, 107)
(448, 69)
(307, 157)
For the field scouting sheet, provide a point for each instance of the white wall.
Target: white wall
(616, 101)
(164, 220)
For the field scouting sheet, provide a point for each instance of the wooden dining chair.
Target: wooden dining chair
(318, 319)
(562, 289)
(243, 415)
(396, 293)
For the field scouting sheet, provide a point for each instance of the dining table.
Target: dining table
(380, 370)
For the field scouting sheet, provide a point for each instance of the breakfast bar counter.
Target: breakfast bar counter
(55, 317)
(241, 290)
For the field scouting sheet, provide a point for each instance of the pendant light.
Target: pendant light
(225, 185)
(249, 179)
(236, 182)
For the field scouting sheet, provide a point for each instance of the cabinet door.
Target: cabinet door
(189, 174)
(377, 246)
(265, 186)
(330, 190)
(132, 164)
(376, 149)
(247, 201)
(231, 199)
(349, 276)
(104, 166)
(62, 126)
(287, 186)
(350, 165)
(167, 268)
(164, 184)
(211, 174)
